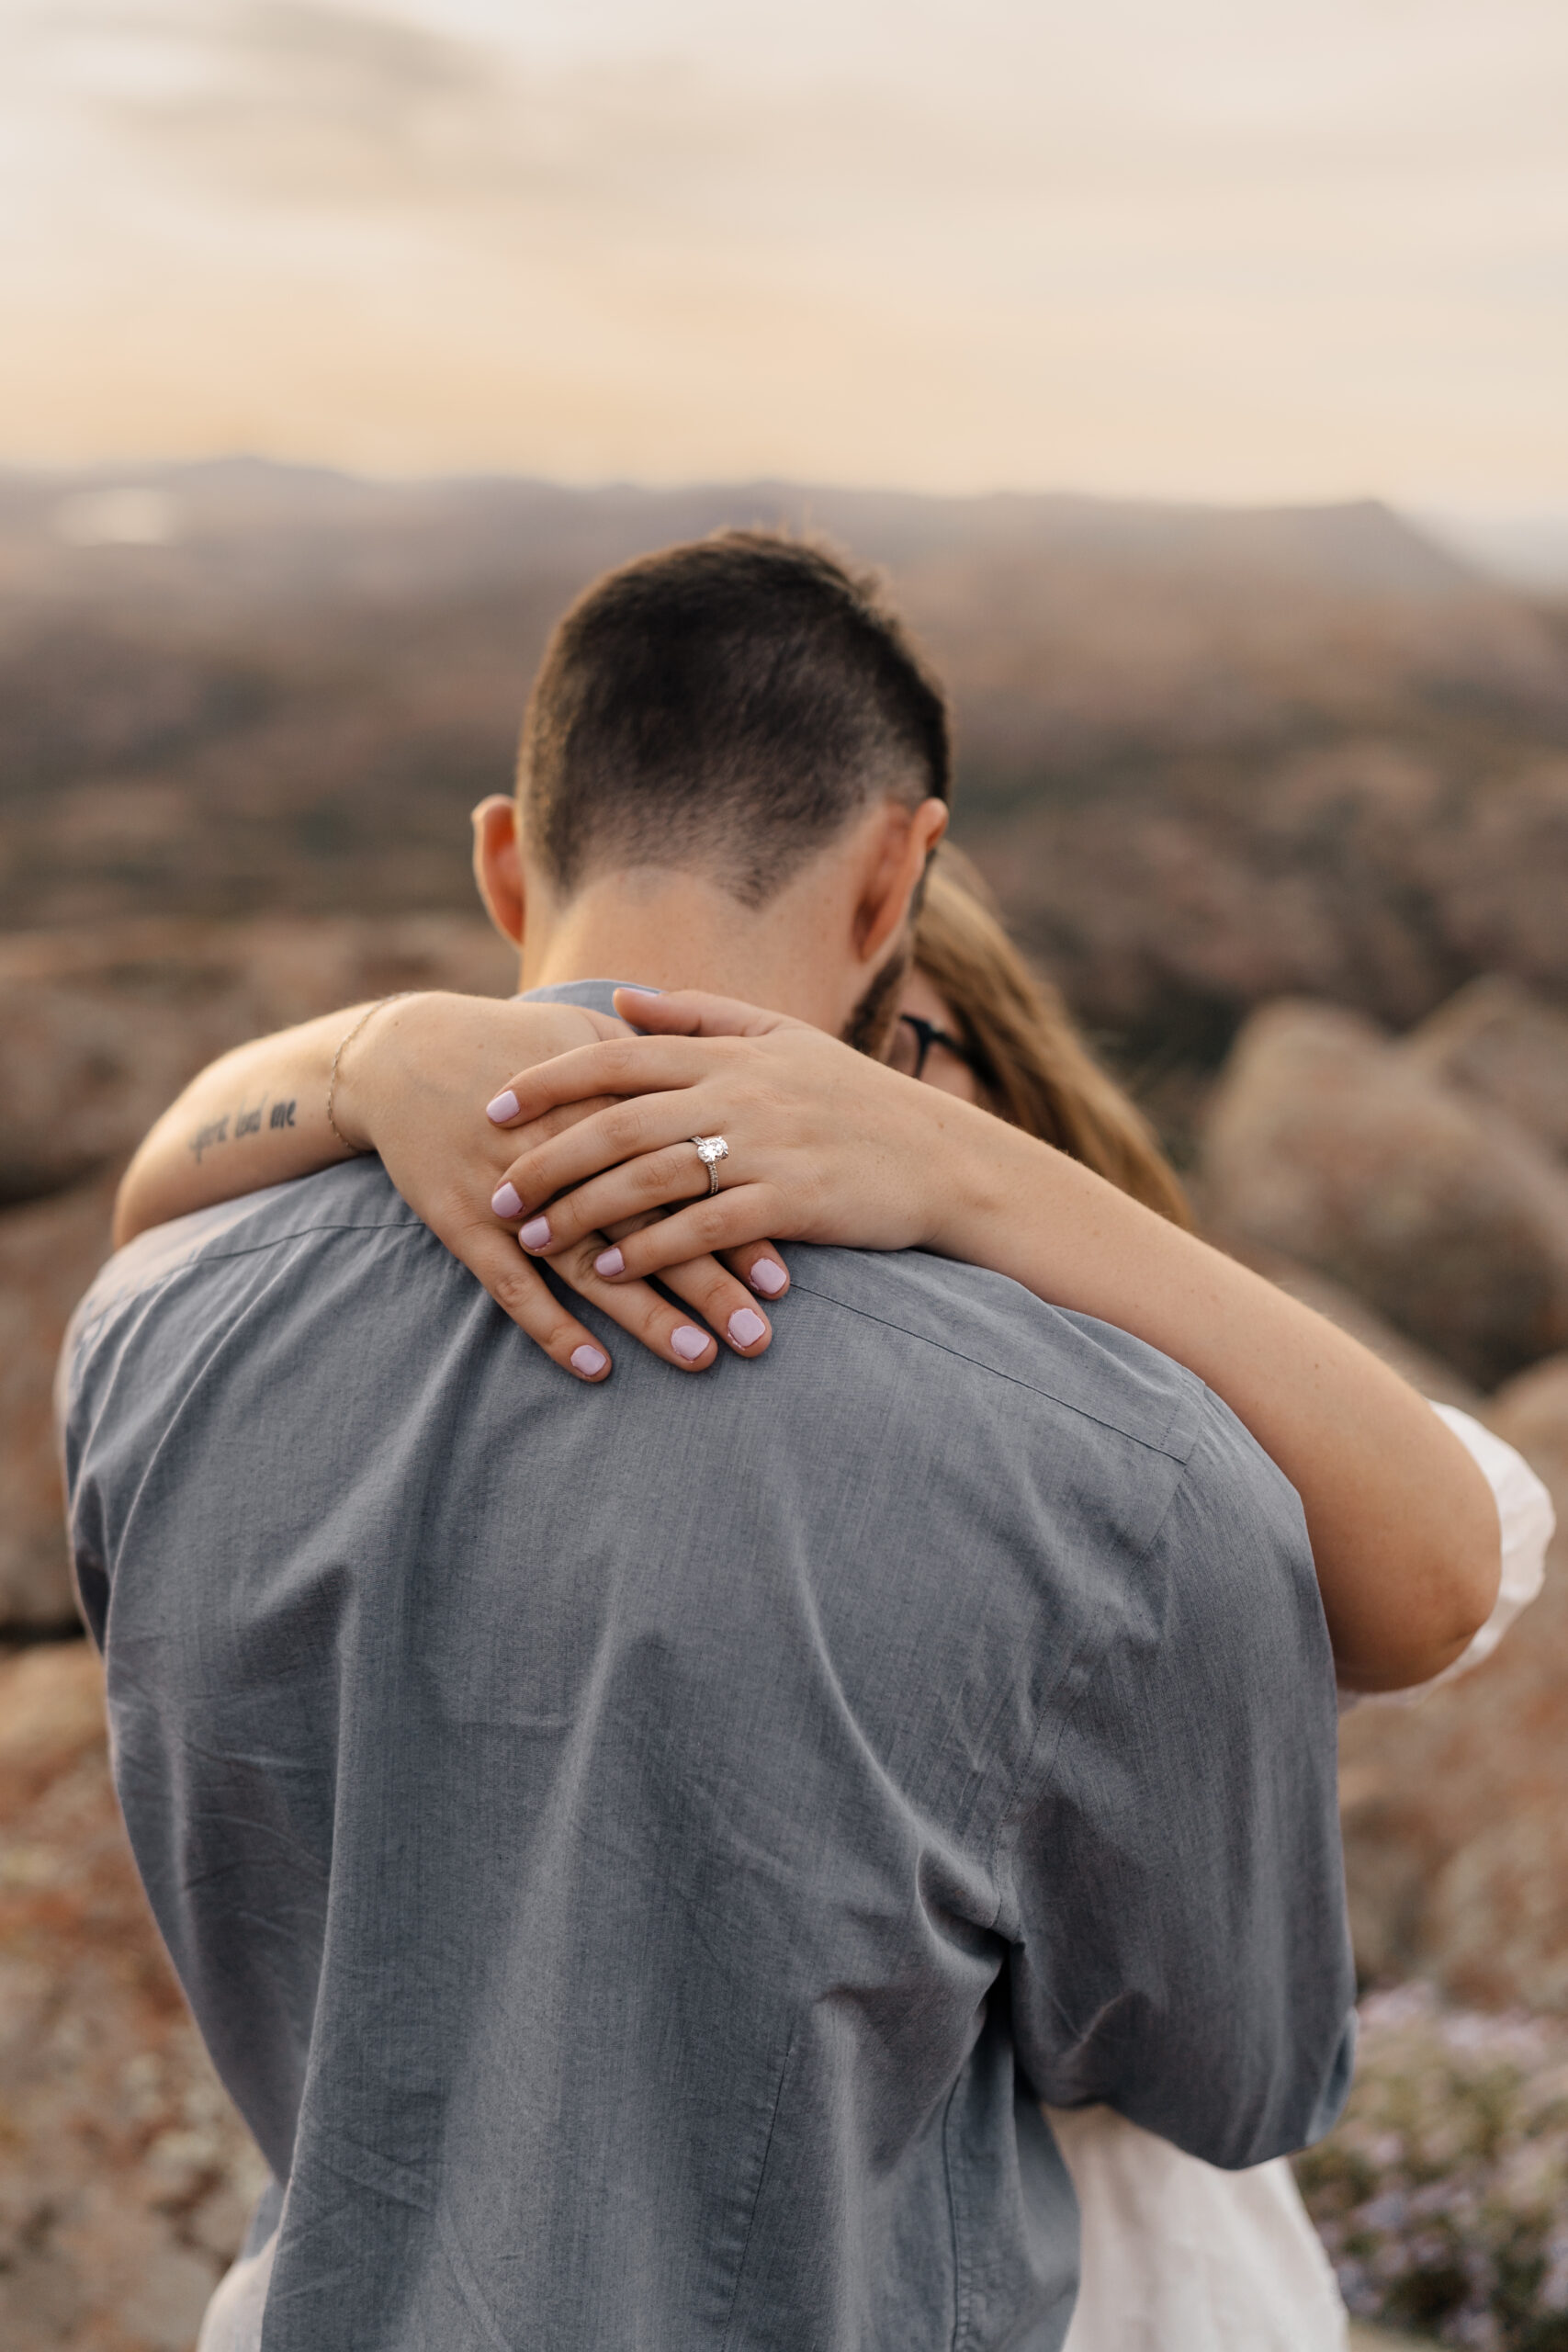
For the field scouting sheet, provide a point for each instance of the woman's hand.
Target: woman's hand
(410, 1086)
(824, 1144)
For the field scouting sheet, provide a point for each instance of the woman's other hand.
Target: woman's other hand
(411, 1086)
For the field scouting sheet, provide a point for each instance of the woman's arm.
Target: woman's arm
(825, 1145)
(1527, 1521)
(259, 1116)
(410, 1074)
(1404, 1527)
(256, 1116)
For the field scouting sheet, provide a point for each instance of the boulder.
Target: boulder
(1456, 1832)
(100, 1030)
(1352, 1316)
(1505, 1047)
(1328, 1140)
(1531, 1412)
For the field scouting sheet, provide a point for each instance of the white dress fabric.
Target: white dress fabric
(1179, 2257)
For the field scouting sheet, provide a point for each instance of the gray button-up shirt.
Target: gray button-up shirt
(638, 1854)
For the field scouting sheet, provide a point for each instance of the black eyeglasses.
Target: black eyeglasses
(912, 1041)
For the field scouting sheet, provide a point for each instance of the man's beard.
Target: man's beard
(870, 1025)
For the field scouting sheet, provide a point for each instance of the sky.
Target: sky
(1227, 249)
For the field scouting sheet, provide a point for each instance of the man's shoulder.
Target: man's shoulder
(357, 1196)
(982, 1341)
(989, 1336)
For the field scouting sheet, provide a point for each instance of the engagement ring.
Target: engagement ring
(711, 1149)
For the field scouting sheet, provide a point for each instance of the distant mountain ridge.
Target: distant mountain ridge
(1360, 547)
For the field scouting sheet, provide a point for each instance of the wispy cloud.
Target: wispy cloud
(1233, 247)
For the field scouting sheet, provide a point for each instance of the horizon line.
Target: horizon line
(1550, 506)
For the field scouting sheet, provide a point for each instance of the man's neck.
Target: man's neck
(665, 930)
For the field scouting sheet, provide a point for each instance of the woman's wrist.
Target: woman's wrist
(979, 1176)
(364, 1069)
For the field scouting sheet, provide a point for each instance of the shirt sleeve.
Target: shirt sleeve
(1181, 1950)
(1526, 1523)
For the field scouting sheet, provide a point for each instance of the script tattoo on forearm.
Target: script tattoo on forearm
(215, 1132)
(243, 1122)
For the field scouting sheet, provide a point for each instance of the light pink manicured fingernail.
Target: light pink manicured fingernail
(506, 1201)
(688, 1343)
(589, 1361)
(535, 1234)
(609, 1262)
(504, 1107)
(745, 1327)
(769, 1276)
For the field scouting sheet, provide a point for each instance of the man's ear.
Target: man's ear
(900, 849)
(498, 865)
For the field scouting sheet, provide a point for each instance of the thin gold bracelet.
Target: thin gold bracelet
(344, 1044)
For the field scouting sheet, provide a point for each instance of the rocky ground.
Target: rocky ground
(126, 2177)
(1420, 1185)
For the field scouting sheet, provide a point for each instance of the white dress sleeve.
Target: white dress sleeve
(1525, 1520)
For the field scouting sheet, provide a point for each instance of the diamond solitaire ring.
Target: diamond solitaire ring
(711, 1149)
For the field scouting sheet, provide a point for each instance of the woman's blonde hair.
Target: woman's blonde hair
(1033, 1066)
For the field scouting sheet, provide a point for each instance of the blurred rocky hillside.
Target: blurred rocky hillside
(1206, 756)
(99, 1029)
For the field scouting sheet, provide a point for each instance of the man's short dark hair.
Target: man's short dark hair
(727, 705)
